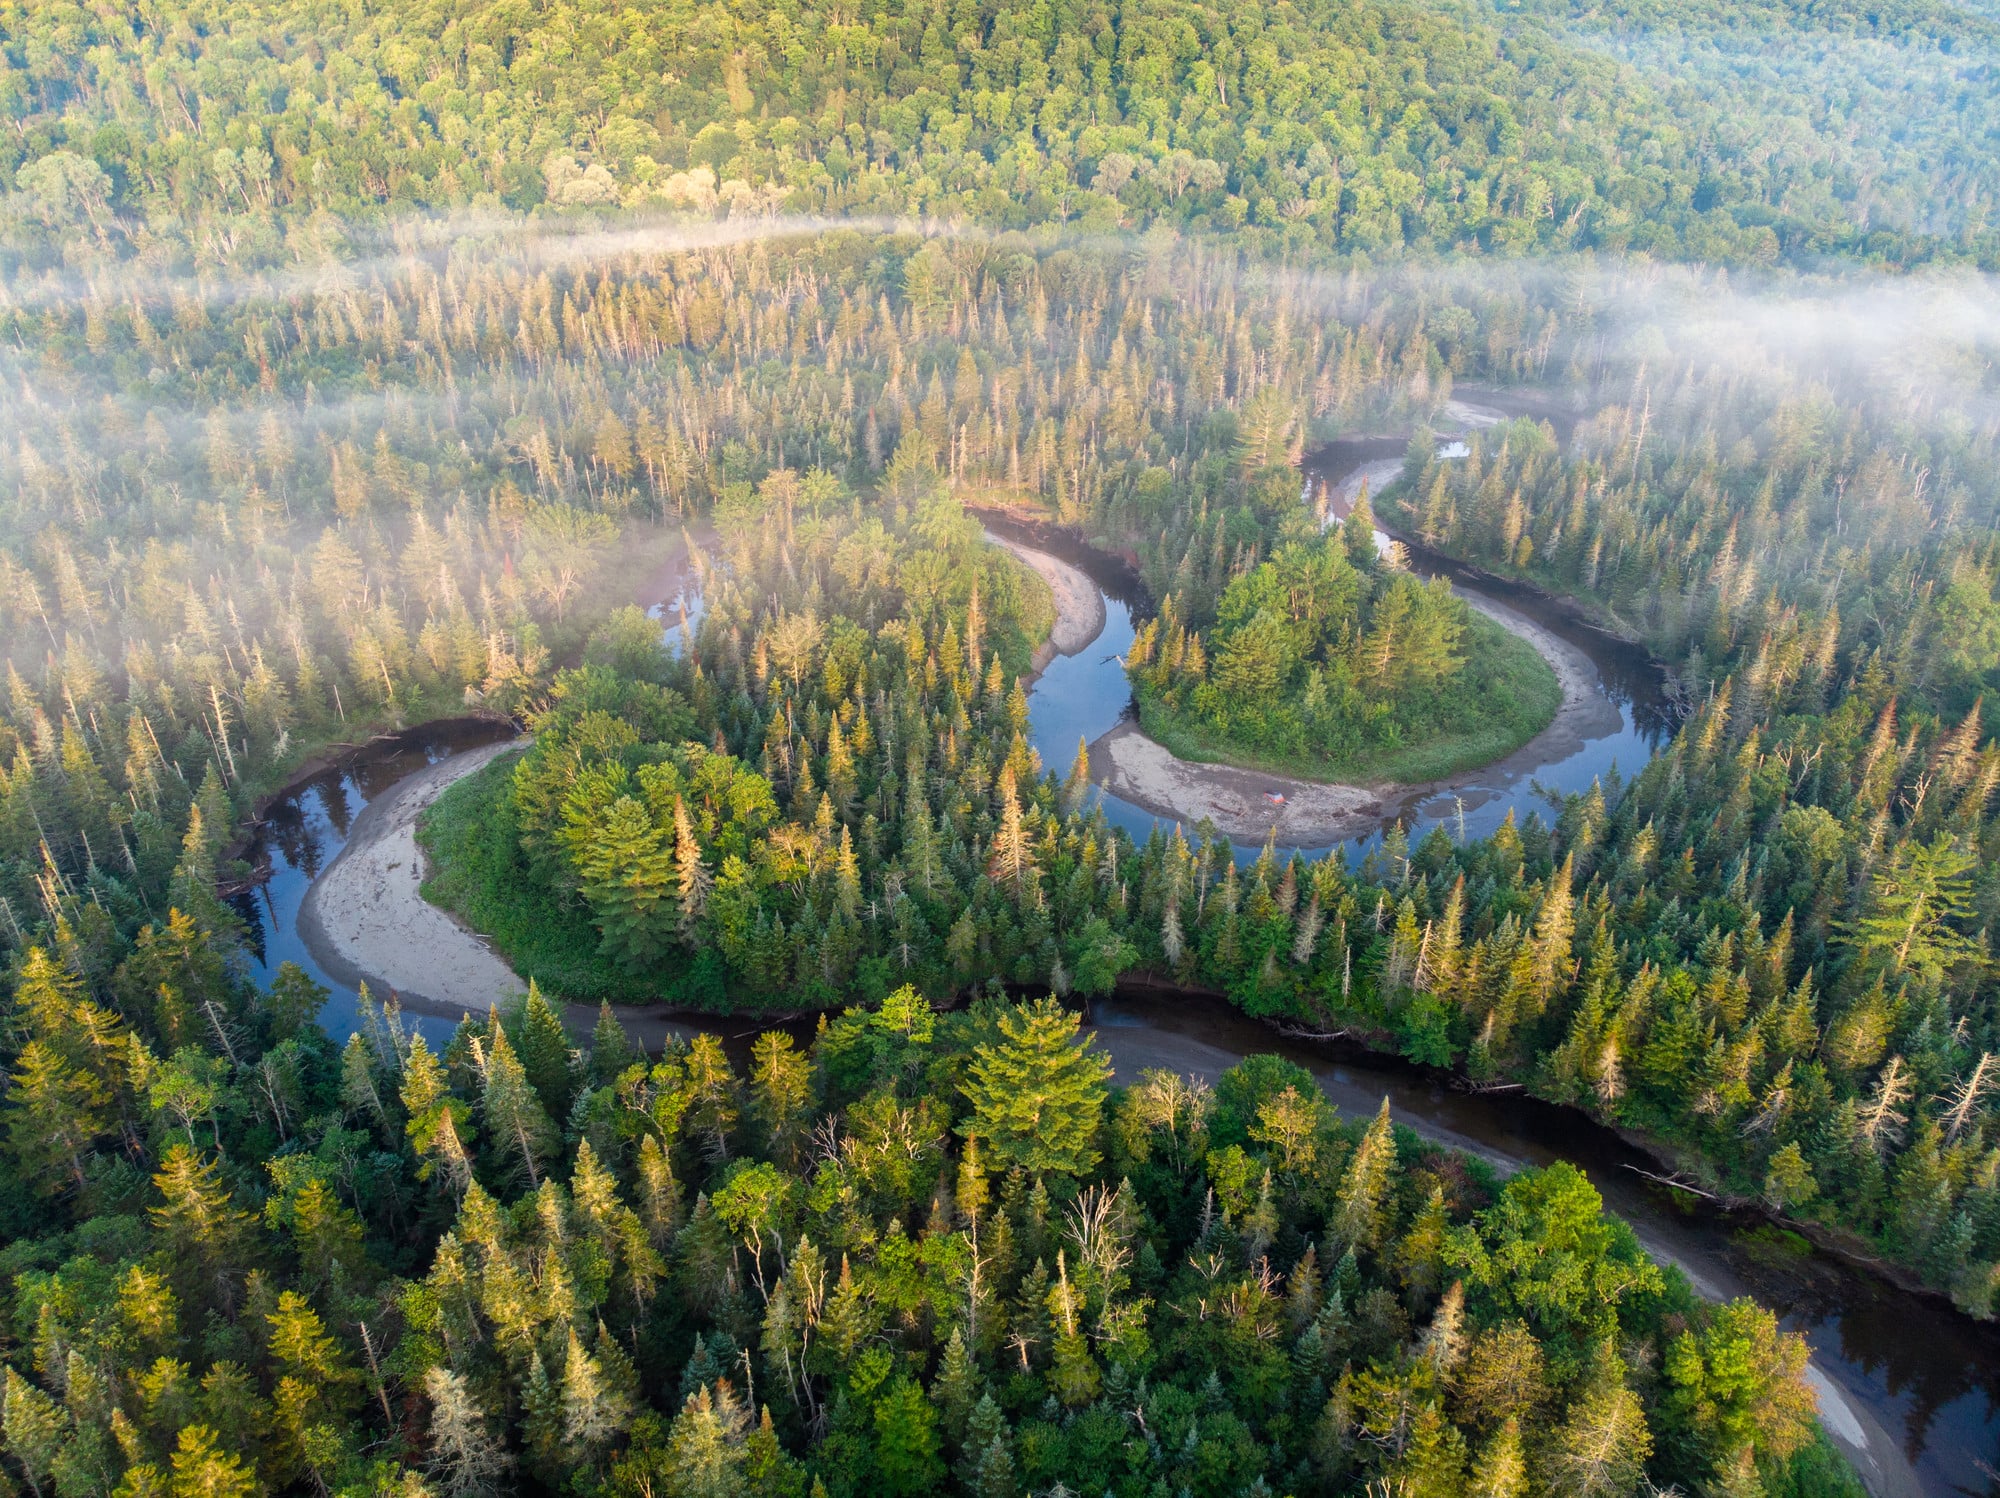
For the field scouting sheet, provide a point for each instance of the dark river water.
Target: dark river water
(305, 831)
(1083, 696)
(1912, 1386)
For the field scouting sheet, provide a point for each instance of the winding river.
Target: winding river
(1612, 719)
(1908, 1388)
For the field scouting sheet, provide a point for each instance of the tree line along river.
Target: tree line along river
(1908, 1387)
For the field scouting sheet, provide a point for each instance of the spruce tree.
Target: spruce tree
(1360, 1216)
(594, 1410)
(906, 1441)
(202, 1469)
(512, 1113)
(706, 1449)
(56, 1113)
(692, 879)
(1012, 860)
(994, 1475)
(1500, 1470)
(712, 1102)
(610, 1048)
(199, 1220)
(955, 1388)
(35, 1427)
(1077, 786)
(439, 1126)
(544, 1052)
(1038, 1092)
(1600, 1449)
(466, 1460)
(626, 866)
(780, 1093)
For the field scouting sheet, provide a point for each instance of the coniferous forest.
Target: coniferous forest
(362, 360)
(1327, 651)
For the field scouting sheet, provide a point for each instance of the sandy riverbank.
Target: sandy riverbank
(1315, 813)
(1079, 603)
(1132, 765)
(364, 920)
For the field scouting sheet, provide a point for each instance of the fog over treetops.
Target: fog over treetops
(363, 366)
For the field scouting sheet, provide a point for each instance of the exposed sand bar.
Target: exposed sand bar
(1315, 813)
(1129, 764)
(365, 921)
(1079, 603)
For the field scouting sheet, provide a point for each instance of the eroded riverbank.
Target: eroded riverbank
(1142, 779)
(1080, 612)
(365, 919)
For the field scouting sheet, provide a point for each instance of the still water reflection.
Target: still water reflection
(304, 832)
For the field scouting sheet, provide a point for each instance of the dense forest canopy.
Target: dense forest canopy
(1772, 960)
(361, 357)
(1298, 126)
(1328, 650)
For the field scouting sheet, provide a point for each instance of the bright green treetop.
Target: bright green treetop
(1037, 1094)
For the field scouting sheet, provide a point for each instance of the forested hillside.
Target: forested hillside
(360, 359)
(1365, 127)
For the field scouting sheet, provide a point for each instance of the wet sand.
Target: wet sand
(1314, 813)
(1079, 604)
(1132, 765)
(1376, 476)
(1472, 416)
(365, 921)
